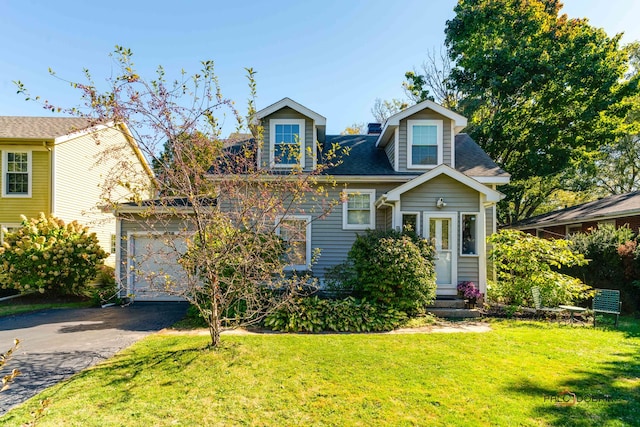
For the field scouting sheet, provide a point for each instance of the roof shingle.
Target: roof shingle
(46, 128)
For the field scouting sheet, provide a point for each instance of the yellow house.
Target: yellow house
(64, 167)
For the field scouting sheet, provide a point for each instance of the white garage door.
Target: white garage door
(153, 267)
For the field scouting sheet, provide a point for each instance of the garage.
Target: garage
(153, 267)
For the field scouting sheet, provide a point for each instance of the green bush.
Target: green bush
(523, 261)
(312, 314)
(614, 261)
(392, 268)
(46, 255)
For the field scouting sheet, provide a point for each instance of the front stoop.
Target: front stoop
(450, 308)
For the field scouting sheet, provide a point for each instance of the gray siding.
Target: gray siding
(459, 198)
(289, 113)
(327, 233)
(424, 115)
(391, 152)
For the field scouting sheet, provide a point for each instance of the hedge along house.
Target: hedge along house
(60, 166)
(415, 170)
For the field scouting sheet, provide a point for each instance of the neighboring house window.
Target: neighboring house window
(295, 231)
(7, 228)
(16, 168)
(424, 147)
(573, 229)
(113, 243)
(469, 234)
(287, 142)
(358, 210)
(410, 221)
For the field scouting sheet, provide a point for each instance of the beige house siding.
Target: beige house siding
(402, 146)
(309, 141)
(12, 207)
(82, 170)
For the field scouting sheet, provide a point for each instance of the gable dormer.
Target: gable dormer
(421, 137)
(290, 135)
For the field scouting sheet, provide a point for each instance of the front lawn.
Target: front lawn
(513, 375)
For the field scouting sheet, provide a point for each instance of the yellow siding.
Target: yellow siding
(85, 170)
(12, 208)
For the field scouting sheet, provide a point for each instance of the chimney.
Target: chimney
(374, 129)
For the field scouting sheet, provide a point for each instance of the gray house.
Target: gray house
(415, 169)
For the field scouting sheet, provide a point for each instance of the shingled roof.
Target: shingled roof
(44, 128)
(365, 159)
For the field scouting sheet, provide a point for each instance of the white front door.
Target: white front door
(440, 229)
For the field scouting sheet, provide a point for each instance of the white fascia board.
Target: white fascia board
(491, 195)
(288, 102)
(460, 121)
(489, 180)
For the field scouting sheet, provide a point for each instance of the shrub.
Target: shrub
(615, 261)
(393, 268)
(312, 314)
(523, 261)
(46, 255)
(105, 288)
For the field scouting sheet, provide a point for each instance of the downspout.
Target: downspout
(382, 201)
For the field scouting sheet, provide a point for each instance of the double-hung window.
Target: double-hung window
(16, 173)
(424, 147)
(295, 231)
(287, 142)
(358, 210)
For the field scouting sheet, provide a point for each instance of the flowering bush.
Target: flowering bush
(469, 290)
(46, 255)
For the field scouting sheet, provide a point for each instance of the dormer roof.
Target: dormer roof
(288, 102)
(389, 126)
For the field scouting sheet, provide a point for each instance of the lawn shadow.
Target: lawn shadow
(608, 395)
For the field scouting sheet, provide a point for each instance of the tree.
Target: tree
(383, 109)
(355, 129)
(433, 81)
(235, 237)
(523, 261)
(543, 92)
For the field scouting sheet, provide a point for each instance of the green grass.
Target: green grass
(505, 377)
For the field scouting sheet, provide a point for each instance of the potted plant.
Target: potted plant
(470, 292)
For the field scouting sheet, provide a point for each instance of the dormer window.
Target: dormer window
(286, 138)
(424, 143)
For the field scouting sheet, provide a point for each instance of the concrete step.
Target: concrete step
(457, 313)
(447, 303)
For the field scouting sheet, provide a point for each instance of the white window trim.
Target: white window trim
(372, 212)
(7, 225)
(418, 230)
(272, 138)
(5, 159)
(440, 144)
(477, 254)
(307, 218)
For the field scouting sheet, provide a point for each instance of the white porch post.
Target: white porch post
(482, 246)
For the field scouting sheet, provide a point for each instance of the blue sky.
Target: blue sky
(335, 57)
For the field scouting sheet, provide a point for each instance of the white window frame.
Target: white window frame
(7, 225)
(418, 231)
(307, 219)
(5, 161)
(440, 142)
(372, 212)
(460, 244)
(272, 142)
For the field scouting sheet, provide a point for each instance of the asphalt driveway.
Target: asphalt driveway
(55, 344)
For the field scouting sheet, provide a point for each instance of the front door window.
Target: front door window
(440, 230)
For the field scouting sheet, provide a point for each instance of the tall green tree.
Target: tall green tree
(543, 92)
